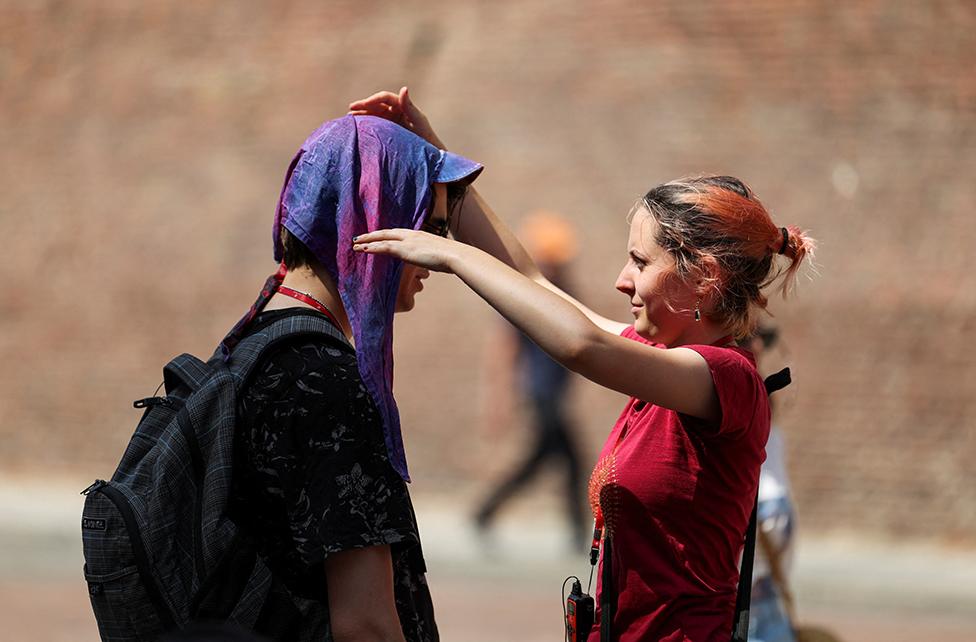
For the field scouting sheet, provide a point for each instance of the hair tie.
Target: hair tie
(786, 240)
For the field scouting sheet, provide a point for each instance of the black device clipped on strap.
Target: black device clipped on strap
(577, 612)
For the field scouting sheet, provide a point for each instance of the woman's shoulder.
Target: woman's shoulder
(739, 386)
(728, 357)
(717, 357)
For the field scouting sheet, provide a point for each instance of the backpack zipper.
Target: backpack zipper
(152, 401)
(138, 548)
(98, 484)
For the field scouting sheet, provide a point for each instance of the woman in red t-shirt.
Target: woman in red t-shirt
(677, 478)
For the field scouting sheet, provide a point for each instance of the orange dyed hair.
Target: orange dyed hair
(725, 246)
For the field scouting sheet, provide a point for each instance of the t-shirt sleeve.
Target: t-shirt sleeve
(325, 457)
(740, 389)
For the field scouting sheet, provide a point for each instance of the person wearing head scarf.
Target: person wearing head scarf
(320, 472)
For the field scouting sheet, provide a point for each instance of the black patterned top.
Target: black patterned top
(312, 476)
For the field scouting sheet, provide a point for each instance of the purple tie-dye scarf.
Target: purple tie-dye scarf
(354, 175)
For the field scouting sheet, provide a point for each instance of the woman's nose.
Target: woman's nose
(624, 283)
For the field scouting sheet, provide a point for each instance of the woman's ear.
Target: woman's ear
(708, 281)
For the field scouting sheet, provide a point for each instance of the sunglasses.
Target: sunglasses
(455, 198)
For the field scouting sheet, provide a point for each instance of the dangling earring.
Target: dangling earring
(698, 310)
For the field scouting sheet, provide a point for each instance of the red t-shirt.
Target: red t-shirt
(676, 494)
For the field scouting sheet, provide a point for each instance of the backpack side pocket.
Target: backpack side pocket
(126, 607)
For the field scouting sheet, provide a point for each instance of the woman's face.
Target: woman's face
(641, 280)
(412, 277)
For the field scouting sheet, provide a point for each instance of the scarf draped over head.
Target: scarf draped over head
(354, 175)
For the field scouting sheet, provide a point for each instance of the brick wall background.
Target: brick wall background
(143, 145)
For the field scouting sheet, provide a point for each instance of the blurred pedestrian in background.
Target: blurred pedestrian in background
(515, 362)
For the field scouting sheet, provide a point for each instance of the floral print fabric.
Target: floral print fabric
(313, 477)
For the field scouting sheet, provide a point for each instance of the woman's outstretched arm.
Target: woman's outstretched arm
(479, 226)
(476, 224)
(677, 378)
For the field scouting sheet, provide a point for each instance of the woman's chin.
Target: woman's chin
(405, 303)
(645, 329)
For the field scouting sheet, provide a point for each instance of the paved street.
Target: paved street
(507, 588)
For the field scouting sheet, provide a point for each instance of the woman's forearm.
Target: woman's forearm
(479, 226)
(552, 322)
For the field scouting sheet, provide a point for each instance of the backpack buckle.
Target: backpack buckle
(95, 486)
(150, 401)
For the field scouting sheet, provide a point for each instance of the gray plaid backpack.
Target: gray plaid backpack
(160, 551)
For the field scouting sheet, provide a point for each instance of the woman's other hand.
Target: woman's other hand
(430, 251)
(400, 109)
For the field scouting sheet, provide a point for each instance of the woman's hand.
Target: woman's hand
(399, 109)
(433, 252)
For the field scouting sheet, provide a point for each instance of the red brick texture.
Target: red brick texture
(143, 145)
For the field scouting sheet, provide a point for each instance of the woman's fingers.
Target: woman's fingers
(408, 107)
(404, 98)
(375, 247)
(387, 97)
(390, 247)
(387, 241)
(419, 248)
(399, 108)
(392, 234)
(383, 110)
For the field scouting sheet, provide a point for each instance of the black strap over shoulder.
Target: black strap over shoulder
(743, 598)
(297, 321)
(263, 337)
(608, 599)
(777, 381)
(185, 369)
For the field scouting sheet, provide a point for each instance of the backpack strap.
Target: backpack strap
(209, 426)
(249, 352)
(185, 369)
(304, 322)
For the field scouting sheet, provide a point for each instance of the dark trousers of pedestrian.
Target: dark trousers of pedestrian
(554, 441)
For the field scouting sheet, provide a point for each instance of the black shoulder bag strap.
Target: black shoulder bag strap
(608, 598)
(740, 625)
(743, 597)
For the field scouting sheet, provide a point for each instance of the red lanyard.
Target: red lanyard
(309, 300)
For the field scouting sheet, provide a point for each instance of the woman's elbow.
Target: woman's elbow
(581, 350)
(365, 629)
